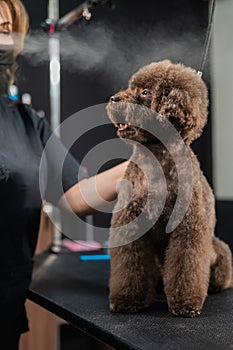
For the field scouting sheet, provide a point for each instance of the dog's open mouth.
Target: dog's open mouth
(125, 129)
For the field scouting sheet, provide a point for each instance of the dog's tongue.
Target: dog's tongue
(123, 127)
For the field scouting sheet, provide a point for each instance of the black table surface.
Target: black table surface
(77, 291)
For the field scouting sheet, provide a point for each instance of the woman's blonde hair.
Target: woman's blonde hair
(20, 26)
(20, 22)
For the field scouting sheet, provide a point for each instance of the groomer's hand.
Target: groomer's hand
(98, 192)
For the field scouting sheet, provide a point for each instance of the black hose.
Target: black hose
(207, 38)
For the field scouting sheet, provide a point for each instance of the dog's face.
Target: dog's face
(161, 90)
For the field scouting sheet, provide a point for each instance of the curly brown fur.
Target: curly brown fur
(190, 259)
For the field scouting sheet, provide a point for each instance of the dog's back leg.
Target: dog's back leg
(221, 269)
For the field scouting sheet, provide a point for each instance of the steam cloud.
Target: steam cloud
(95, 47)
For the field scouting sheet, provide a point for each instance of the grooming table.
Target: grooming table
(77, 291)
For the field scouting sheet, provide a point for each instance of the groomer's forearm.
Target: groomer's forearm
(95, 193)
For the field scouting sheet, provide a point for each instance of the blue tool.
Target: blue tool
(93, 257)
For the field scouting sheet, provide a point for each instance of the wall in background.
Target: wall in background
(222, 95)
(222, 120)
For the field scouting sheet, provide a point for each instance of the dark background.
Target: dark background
(129, 36)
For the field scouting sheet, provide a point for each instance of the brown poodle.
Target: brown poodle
(190, 259)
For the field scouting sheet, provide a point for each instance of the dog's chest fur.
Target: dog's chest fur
(152, 172)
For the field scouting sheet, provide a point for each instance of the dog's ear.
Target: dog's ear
(182, 111)
(173, 104)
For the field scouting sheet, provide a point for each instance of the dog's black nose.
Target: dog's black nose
(115, 98)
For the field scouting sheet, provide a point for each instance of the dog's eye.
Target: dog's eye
(145, 92)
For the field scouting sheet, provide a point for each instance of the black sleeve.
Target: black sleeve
(63, 171)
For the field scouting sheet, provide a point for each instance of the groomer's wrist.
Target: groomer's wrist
(121, 169)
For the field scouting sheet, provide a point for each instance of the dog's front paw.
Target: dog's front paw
(185, 308)
(126, 306)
